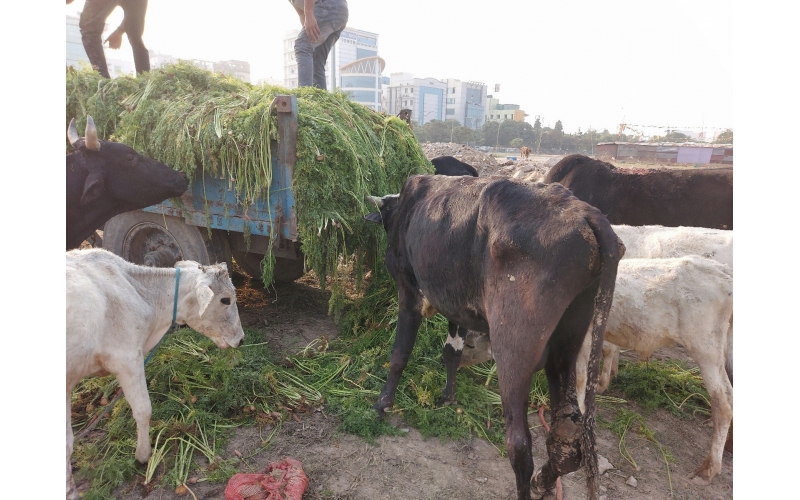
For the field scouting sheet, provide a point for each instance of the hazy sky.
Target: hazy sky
(586, 63)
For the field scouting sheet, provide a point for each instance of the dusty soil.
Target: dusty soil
(342, 466)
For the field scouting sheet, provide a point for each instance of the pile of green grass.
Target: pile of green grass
(208, 124)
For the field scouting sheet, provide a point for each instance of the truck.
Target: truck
(208, 224)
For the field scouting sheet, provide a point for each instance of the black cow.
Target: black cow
(108, 178)
(447, 165)
(673, 197)
(527, 263)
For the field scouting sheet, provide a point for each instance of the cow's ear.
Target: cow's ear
(374, 217)
(204, 297)
(92, 188)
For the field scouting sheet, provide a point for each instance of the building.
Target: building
(237, 69)
(75, 50)
(496, 112)
(667, 152)
(465, 102)
(353, 65)
(423, 96)
(432, 99)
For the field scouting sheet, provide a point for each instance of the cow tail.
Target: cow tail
(729, 353)
(611, 251)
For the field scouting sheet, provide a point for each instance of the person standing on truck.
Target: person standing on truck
(323, 22)
(93, 21)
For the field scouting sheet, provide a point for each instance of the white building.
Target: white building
(423, 96)
(75, 50)
(353, 65)
(496, 112)
(465, 102)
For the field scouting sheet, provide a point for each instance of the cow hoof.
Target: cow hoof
(538, 492)
(699, 481)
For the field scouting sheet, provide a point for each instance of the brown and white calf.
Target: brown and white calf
(118, 311)
(687, 300)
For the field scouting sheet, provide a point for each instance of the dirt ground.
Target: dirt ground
(342, 466)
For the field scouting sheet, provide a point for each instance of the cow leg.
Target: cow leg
(72, 491)
(132, 379)
(581, 371)
(409, 318)
(610, 366)
(711, 362)
(451, 354)
(518, 354)
(565, 441)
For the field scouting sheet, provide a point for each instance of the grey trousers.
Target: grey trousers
(311, 56)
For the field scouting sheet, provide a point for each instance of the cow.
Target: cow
(118, 311)
(525, 151)
(527, 263)
(447, 165)
(655, 242)
(687, 300)
(106, 178)
(700, 197)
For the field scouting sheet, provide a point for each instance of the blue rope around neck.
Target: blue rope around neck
(174, 315)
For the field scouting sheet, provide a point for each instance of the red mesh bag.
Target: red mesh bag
(283, 480)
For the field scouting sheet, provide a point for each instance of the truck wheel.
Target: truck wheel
(161, 240)
(286, 270)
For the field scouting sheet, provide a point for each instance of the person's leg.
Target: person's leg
(92, 22)
(135, 11)
(332, 16)
(321, 57)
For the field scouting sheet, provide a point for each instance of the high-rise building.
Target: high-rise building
(423, 96)
(75, 50)
(353, 65)
(432, 99)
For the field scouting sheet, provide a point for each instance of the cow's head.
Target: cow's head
(118, 171)
(386, 206)
(212, 305)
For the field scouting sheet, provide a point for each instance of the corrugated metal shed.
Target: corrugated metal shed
(669, 152)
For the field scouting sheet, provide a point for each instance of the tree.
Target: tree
(516, 143)
(725, 137)
(559, 128)
(676, 137)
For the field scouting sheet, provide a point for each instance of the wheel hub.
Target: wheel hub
(150, 245)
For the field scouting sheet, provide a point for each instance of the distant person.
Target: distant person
(323, 22)
(93, 20)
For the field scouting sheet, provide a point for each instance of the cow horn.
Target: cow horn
(376, 200)
(91, 134)
(72, 133)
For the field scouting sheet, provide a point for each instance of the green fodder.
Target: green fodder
(208, 124)
(198, 393)
(664, 384)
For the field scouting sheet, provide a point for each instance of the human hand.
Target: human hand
(70, 1)
(312, 28)
(115, 40)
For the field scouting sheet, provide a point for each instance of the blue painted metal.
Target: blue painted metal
(216, 198)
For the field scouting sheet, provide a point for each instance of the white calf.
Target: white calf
(687, 300)
(659, 242)
(118, 311)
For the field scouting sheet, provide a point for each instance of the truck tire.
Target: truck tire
(286, 270)
(161, 240)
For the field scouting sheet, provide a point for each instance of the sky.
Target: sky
(586, 63)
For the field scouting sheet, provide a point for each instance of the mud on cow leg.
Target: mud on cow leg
(563, 448)
(451, 354)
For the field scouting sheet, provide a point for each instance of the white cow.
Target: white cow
(659, 242)
(118, 311)
(686, 300)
